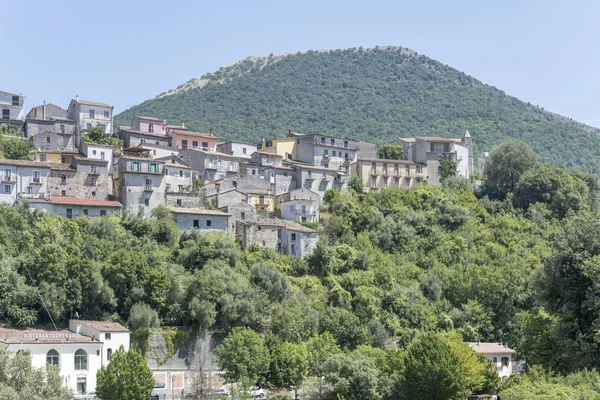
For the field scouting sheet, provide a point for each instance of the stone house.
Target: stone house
(87, 114)
(211, 165)
(327, 152)
(228, 197)
(49, 128)
(382, 173)
(72, 207)
(23, 179)
(85, 178)
(139, 181)
(101, 152)
(300, 205)
(188, 219)
(237, 149)
(178, 187)
(319, 180)
(284, 237)
(430, 150)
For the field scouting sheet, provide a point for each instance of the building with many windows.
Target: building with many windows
(73, 207)
(379, 173)
(78, 352)
(87, 114)
(185, 139)
(19, 179)
(11, 105)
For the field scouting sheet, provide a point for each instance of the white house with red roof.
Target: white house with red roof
(500, 355)
(73, 207)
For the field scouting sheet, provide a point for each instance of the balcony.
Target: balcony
(148, 188)
(94, 172)
(310, 178)
(8, 179)
(375, 171)
(339, 143)
(385, 172)
(325, 179)
(36, 181)
(437, 155)
(143, 169)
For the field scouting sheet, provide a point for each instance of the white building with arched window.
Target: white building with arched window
(78, 352)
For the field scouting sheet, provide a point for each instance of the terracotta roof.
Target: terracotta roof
(75, 201)
(148, 118)
(91, 159)
(93, 103)
(266, 153)
(490, 348)
(440, 139)
(178, 166)
(103, 326)
(61, 167)
(389, 161)
(199, 134)
(66, 152)
(196, 211)
(130, 130)
(289, 225)
(26, 163)
(215, 153)
(41, 336)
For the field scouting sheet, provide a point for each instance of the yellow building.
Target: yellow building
(379, 173)
(285, 147)
(55, 156)
(261, 201)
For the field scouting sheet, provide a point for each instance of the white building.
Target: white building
(87, 114)
(237, 149)
(300, 205)
(19, 178)
(100, 152)
(159, 150)
(78, 352)
(72, 207)
(501, 357)
(12, 108)
(188, 219)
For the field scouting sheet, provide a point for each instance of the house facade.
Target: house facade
(211, 165)
(189, 219)
(73, 207)
(237, 149)
(100, 152)
(78, 352)
(286, 147)
(327, 152)
(23, 179)
(300, 205)
(85, 178)
(319, 180)
(139, 182)
(382, 173)
(501, 357)
(185, 139)
(87, 114)
(11, 105)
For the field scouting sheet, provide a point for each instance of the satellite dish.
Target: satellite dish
(486, 154)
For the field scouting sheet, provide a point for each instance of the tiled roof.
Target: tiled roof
(131, 130)
(26, 163)
(196, 211)
(390, 161)
(189, 133)
(61, 167)
(440, 139)
(266, 153)
(93, 103)
(91, 159)
(103, 326)
(490, 348)
(40, 336)
(148, 118)
(178, 166)
(289, 225)
(75, 201)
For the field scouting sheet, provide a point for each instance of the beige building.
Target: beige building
(379, 173)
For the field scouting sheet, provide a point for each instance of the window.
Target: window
(7, 173)
(81, 384)
(29, 190)
(259, 146)
(42, 157)
(243, 150)
(52, 357)
(208, 222)
(102, 155)
(106, 114)
(269, 144)
(136, 166)
(326, 165)
(92, 114)
(63, 179)
(168, 187)
(261, 199)
(333, 142)
(108, 354)
(322, 140)
(495, 363)
(36, 176)
(147, 202)
(285, 174)
(447, 147)
(326, 152)
(153, 168)
(63, 193)
(195, 144)
(47, 139)
(242, 216)
(6, 188)
(431, 147)
(334, 153)
(166, 171)
(148, 183)
(89, 125)
(81, 361)
(93, 182)
(234, 184)
(345, 143)
(94, 194)
(69, 213)
(62, 128)
(180, 188)
(196, 223)
(107, 336)
(253, 172)
(346, 156)
(293, 237)
(85, 211)
(15, 100)
(5, 113)
(178, 202)
(205, 145)
(292, 208)
(94, 152)
(151, 128)
(103, 213)
(103, 126)
(63, 160)
(504, 361)
(184, 144)
(181, 173)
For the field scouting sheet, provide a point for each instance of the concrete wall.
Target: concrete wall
(182, 199)
(133, 193)
(182, 140)
(22, 178)
(100, 152)
(178, 179)
(313, 179)
(76, 210)
(300, 210)
(227, 198)
(211, 166)
(159, 151)
(218, 223)
(236, 149)
(132, 139)
(243, 183)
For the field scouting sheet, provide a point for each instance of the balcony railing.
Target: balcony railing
(306, 213)
(148, 188)
(341, 143)
(36, 181)
(8, 179)
(325, 179)
(143, 169)
(310, 178)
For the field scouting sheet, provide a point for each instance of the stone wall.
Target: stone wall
(186, 199)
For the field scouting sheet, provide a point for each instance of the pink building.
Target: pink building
(149, 125)
(184, 139)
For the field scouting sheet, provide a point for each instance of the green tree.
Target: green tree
(507, 163)
(16, 149)
(390, 152)
(441, 367)
(448, 167)
(127, 376)
(98, 135)
(243, 356)
(20, 380)
(142, 320)
(356, 184)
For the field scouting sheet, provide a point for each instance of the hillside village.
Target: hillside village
(265, 193)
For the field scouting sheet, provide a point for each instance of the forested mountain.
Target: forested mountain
(375, 94)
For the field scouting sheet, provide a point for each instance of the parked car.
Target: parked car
(258, 393)
(220, 393)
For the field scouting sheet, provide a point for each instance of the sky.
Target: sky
(125, 52)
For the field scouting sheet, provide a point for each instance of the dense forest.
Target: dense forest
(374, 94)
(398, 275)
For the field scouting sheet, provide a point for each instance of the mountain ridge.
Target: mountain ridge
(377, 94)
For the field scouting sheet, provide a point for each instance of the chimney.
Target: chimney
(78, 328)
(76, 97)
(183, 125)
(44, 110)
(211, 132)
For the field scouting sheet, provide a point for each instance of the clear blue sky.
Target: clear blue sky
(124, 52)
